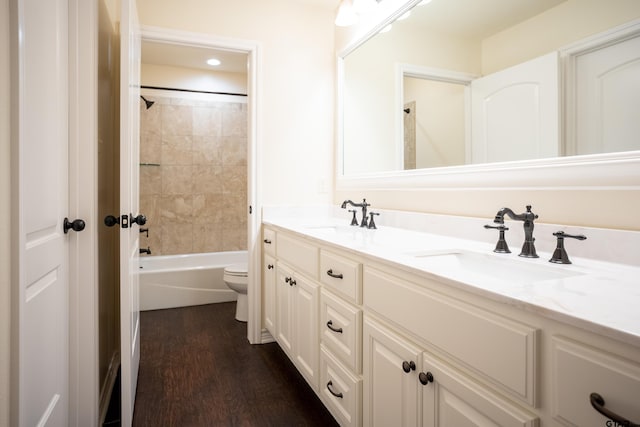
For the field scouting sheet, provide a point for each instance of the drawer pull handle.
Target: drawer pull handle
(598, 404)
(267, 241)
(425, 378)
(270, 266)
(292, 282)
(330, 326)
(335, 276)
(338, 395)
(408, 366)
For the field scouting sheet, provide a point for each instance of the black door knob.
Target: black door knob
(76, 225)
(111, 220)
(140, 219)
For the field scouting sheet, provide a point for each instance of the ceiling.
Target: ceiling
(193, 57)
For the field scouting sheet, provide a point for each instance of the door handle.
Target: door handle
(76, 225)
(140, 219)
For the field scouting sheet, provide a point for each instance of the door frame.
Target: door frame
(253, 49)
(84, 384)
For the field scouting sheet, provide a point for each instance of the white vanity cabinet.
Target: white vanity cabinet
(404, 385)
(269, 281)
(383, 345)
(297, 305)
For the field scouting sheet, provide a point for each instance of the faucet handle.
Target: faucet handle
(354, 221)
(560, 254)
(371, 223)
(501, 246)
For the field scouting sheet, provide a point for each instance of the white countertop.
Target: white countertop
(599, 296)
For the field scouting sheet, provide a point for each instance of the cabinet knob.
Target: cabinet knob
(287, 279)
(425, 378)
(408, 366)
(270, 266)
(267, 241)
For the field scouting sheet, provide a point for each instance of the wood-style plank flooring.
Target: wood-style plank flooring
(198, 369)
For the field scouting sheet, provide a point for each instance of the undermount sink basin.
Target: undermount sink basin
(489, 265)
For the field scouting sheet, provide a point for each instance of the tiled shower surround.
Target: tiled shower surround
(193, 175)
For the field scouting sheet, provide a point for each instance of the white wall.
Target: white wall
(5, 255)
(566, 23)
(296, 98)
(192, 79)
(588, 207)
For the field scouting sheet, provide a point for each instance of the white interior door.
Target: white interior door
(42, 300)
(515, 112)
(129, 200)
(607, 101)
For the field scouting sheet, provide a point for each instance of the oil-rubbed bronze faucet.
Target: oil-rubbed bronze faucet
(528, 248)
(362, 205)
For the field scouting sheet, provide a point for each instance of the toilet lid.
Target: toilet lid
(237, 269)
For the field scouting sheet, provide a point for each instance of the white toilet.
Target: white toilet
(235, 277)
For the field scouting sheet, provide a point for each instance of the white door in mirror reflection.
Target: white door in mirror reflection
(515, 112)
(607, 101)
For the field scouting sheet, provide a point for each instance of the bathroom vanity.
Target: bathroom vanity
(402, 327)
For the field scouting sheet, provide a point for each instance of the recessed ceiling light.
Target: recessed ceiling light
(213, 62)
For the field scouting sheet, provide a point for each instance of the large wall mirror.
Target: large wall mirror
(453, 88)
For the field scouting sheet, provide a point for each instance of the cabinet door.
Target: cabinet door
(306, 339)
(269, 293)
(284, 309)
(450, 399)
(391, 395)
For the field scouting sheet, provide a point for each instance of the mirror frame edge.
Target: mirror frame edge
(619, 170)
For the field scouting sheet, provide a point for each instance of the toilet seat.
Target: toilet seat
(240, 270)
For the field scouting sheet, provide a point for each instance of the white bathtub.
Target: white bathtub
(180, 280)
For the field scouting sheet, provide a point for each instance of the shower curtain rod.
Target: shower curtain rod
(193, 91)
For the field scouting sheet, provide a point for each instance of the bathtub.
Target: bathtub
(169, 281)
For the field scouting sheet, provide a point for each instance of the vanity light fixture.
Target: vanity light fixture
(346, 15)
(214, 62)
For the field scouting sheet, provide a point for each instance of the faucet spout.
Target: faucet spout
(362, 205)
(528, 217)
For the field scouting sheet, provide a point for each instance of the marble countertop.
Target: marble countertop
(599, 296)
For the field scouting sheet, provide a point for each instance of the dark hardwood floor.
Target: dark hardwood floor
(198, 369)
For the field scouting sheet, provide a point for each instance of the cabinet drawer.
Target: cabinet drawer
(501, 350)
(340, 391)
(341, 326)
(342, 275)
(269, 241)
(302, 256)
(578, 371)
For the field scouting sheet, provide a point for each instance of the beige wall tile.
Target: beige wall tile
(207, 208)
(234, 210)
(150, 180)
(207, 179)
(234, 122)
(234, 239)
(207, 150)
(207, 121)
(150, 147)
(177, 239)
(176, 209)
(177, 180)
(150, 120)
(177, 150)
(234, 150)
(177, 120)
(207, 238)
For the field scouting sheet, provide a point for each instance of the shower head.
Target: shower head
(147, 102)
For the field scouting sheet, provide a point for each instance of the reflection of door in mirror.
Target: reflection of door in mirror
(439, 121)
(607, 102)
